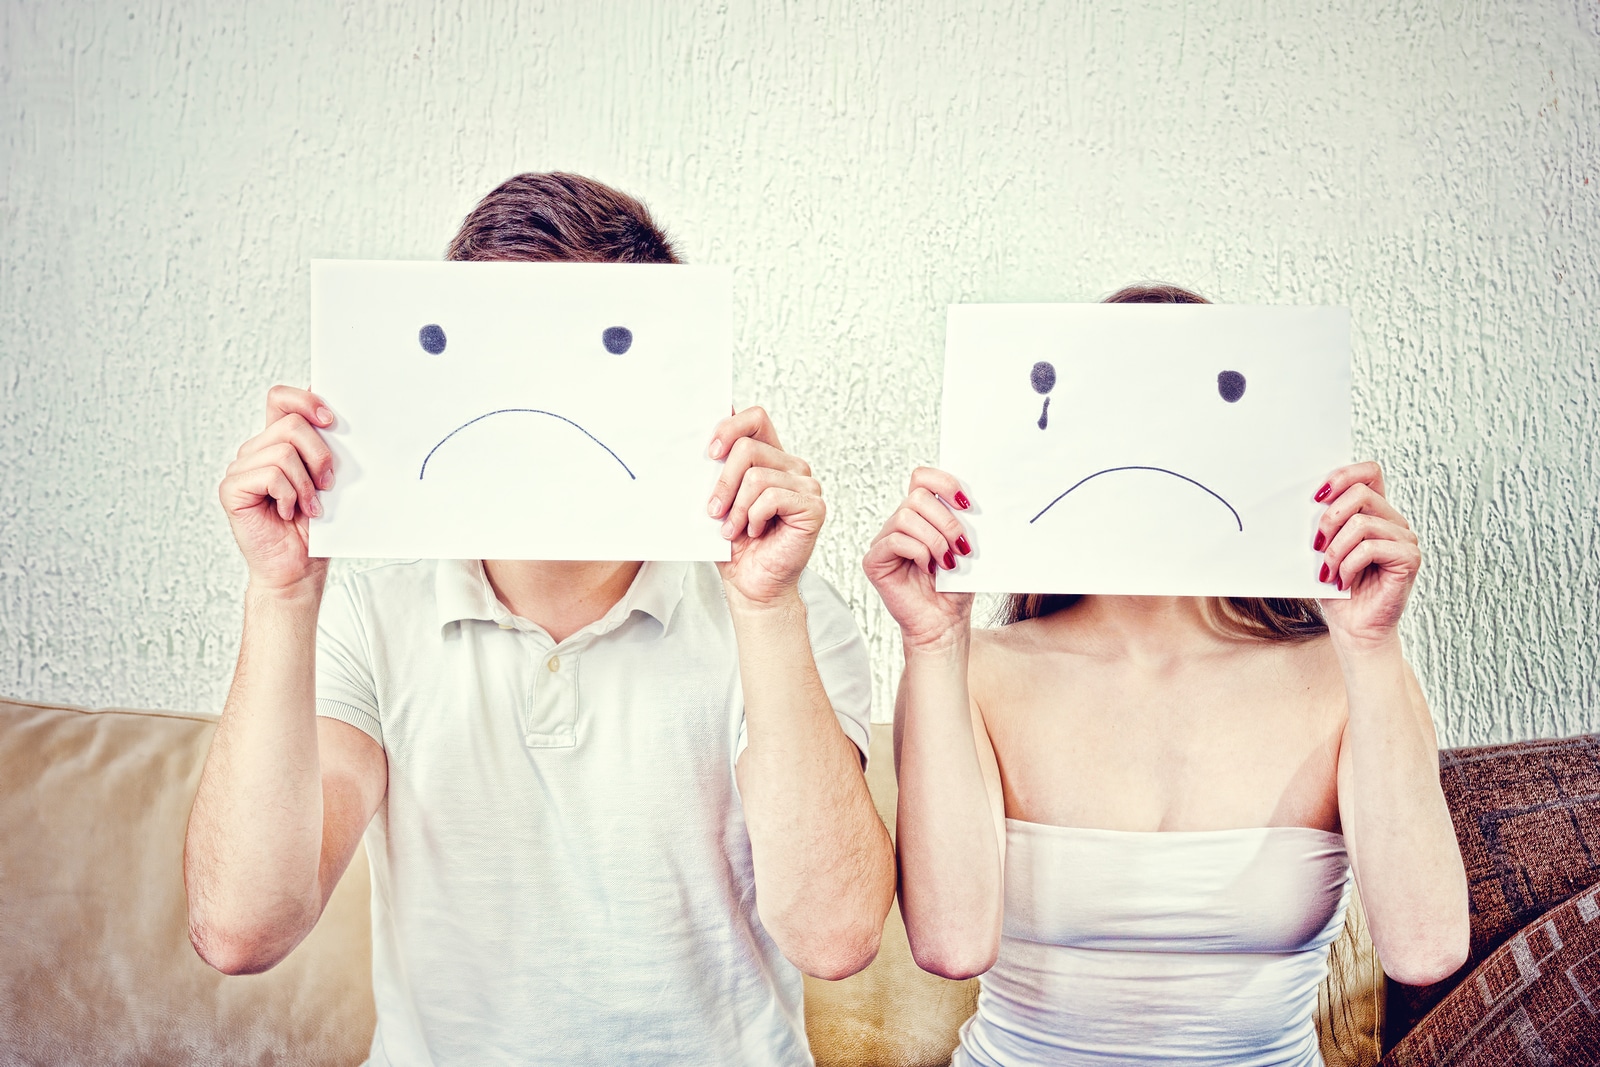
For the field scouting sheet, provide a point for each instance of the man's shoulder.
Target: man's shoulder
(387, 588)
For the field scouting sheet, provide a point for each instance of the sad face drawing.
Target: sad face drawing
(1150, 449)
(511, 410)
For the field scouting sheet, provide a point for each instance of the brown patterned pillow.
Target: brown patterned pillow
(1535, 1000)
(1527, 816)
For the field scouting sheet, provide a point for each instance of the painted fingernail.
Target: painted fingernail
(324, 416)
(716, 448)
(949, 560)
(963, 546)
(1316, 546)
(1322, 494)
(1338, 583)
(1324, 575)
(715, 507)
(932, 566)
(961, 500)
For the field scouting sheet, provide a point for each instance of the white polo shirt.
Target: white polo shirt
(561, 872)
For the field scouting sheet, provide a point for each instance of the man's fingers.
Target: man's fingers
(749, 454)
(284, 458)
(756, 482)
(249, 488)
(294, 430)
(284, 399)
(788, 504)
(945, 486)
(752, 423)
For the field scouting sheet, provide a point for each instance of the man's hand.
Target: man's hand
(771, 508)
(270, 491)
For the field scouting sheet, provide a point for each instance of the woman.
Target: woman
(1136, 817)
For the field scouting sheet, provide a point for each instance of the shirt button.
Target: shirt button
(554, 664)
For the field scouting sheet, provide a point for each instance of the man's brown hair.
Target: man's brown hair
(560, 217)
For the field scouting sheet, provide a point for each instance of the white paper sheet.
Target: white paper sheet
(482, 412)
(1145, 478)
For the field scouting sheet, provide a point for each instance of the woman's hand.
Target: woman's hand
(1369, 549)
(920, 536)
(270, 491)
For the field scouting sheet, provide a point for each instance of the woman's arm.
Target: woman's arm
(950, 821)
(1397, 825)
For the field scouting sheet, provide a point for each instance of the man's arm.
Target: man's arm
(283, 797)
(824, 865)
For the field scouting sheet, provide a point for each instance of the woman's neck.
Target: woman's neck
(562, 596)
(1150, 629)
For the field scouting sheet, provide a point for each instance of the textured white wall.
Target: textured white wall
(1434, 164)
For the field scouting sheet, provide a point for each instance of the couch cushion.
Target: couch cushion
(1527, 816)
(1532, 1001)
(95, 961)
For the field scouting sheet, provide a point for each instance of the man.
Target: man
(611, 807)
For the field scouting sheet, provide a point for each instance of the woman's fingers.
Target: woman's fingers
(1358, 499)
(1401, 557)
(1367, 473)
(945, 486)
(286, 399)
(933, 511)
(1368, 530)
(747, 455)
(893, 547)
(293, 429)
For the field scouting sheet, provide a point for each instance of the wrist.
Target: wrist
(1356, 653)
(782, 605)
(953, 640)
(302, 592)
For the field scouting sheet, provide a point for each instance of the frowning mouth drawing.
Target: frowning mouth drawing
(1162, 470)
(423, 473)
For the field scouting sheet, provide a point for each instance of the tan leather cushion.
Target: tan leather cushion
(95, 961)
(96, 967)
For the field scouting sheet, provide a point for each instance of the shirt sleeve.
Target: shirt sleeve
(842, 662)
(345, 688)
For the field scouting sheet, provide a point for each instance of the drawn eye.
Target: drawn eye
(1230, 386)
(431, 337)
(617, 339)
(1043, 378)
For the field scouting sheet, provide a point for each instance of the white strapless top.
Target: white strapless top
(1137, 948)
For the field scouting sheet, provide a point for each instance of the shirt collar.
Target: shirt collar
(462, 591)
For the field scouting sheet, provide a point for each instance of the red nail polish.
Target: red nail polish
(963, 546)
(961, 500)
(949, 560)
(1338, 583)
(1322, 494)
(1324, 575)
(932, 566)
(1316, 546)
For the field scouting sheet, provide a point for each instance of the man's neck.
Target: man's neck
(562, 596)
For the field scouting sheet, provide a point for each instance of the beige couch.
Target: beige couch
(96, 967)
